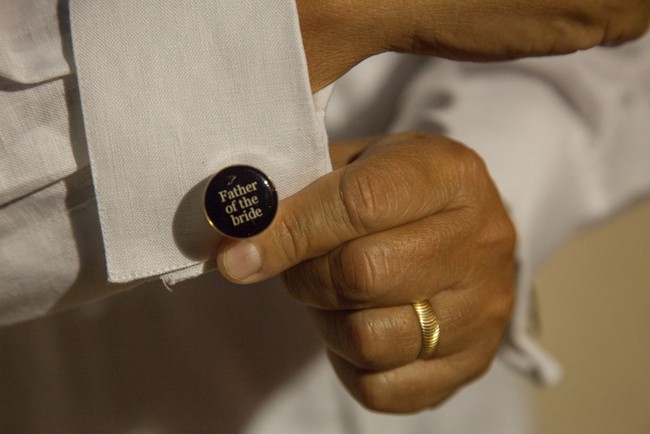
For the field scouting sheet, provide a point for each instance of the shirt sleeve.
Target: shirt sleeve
(115, 113)
(173, 91)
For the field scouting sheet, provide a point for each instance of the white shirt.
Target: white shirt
(577, 125)
(170, 95)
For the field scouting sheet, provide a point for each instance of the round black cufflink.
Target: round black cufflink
(240, 201)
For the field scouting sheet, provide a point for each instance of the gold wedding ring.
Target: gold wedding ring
(429, 326)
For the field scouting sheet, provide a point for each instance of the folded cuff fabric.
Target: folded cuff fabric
(171, 94)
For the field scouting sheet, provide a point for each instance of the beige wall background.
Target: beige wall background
(594, 300)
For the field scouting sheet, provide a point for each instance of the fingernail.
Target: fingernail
(242, 260)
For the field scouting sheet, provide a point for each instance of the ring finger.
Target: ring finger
(384, 338)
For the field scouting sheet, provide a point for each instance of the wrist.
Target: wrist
(336, 37)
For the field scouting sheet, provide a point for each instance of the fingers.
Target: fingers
(390, 268)
(471, 241)
(386, 376)
(365, 197)
(422, 384)
(522, 28)
(622, 21)
(387, 338)
(371, 339)
(414, 217)
(338, 35)
(374, 351)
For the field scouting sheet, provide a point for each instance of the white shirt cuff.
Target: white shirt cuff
(170, 95)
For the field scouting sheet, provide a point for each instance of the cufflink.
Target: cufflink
(240, 201)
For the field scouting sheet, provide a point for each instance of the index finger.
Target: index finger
(380, 191)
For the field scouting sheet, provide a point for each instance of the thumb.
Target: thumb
(373, 194)
(307, 225)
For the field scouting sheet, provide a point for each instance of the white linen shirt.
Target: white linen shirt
(171, 93)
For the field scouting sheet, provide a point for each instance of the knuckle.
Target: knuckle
(359, 269)
(504, 304)
(361, 342)
(373, 392)
(470, 162)
(294, 282)
(469, 176)
(482, 368)
(363, 194)
(474, 366)
(503, 234)
(290, 238)
(613, 22)
(627, 24)
(385, 392)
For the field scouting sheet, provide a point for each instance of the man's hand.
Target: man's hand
(338, 34)
(413, 217)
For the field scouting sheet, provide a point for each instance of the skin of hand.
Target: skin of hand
(338, 34)
(402, 218)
